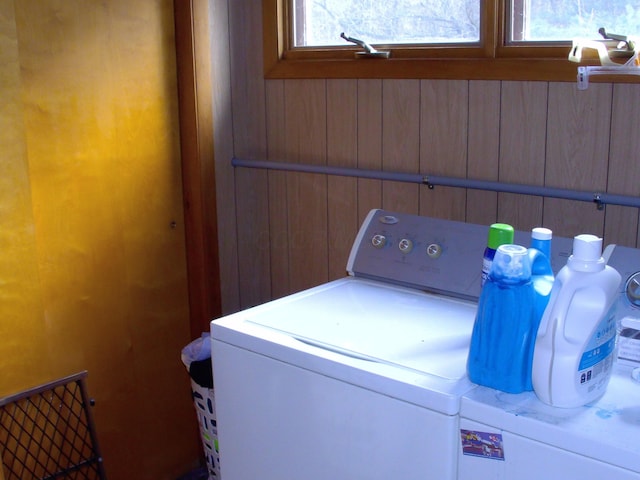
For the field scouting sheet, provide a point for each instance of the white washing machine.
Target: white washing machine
(360, 378)
(516, 437)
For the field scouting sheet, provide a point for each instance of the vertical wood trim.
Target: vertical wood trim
(578, 125)
(523, 120)
(401, 142)
(483, 149)
(444, 107)
(306, 142)
(342, 151)
(621, 223)
(278, 207)
(224, 29)
(198, 167)
(273, 32)
(247, 138)
(369, 148)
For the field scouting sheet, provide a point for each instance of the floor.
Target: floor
(197, 474)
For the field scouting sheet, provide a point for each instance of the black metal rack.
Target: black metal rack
(47, 432)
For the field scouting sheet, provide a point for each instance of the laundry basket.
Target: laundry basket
(197, 358)
(203, 399)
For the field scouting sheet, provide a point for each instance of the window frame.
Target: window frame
(497, 59)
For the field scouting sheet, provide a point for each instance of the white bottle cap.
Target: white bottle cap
(541, 233)
(511, 263)
(587, 253)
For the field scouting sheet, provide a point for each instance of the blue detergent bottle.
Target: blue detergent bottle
(541, 271)
(506, 324)
(541, 240)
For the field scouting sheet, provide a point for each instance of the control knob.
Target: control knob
(405, 246)
(632, 289)
(434, 250)
(379, 240)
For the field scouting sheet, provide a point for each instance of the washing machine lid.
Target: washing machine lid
(390, 325)
(607, 430)
(365, 331)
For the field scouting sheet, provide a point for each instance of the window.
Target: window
(564, 20)
(319, 23)
(473, 39)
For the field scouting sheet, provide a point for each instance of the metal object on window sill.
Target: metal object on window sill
(618, 55)
(589, 71)
(369, 51)
(626, 42)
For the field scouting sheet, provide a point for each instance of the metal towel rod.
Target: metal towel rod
(599, 198)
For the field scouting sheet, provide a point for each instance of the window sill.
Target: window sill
(531, 69)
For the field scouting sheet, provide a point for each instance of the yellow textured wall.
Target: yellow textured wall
(92, 255)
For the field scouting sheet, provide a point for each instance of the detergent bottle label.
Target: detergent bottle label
(597, 360)
(486, 267)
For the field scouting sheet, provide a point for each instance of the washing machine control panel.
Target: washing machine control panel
(627, 261)
(432, 254)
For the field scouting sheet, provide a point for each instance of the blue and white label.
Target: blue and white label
(596, 355)
(597, 360)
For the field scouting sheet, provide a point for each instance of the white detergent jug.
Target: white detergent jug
(575, 345)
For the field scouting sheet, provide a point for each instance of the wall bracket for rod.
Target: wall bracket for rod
(597, 199)
(585, 72)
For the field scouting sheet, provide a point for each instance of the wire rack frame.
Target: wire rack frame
(47, 432)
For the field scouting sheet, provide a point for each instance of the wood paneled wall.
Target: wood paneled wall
(288, 231)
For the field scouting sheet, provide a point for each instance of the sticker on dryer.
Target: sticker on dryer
(482, 444)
